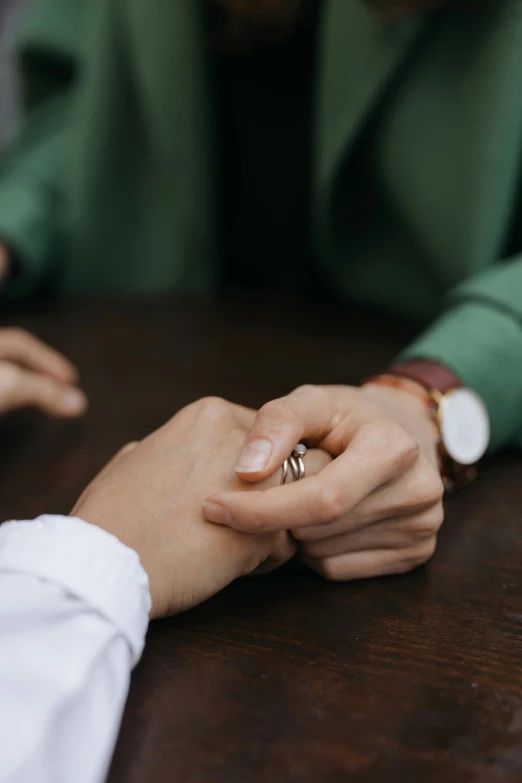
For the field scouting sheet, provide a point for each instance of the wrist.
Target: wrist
(401, 387)
(426, 381)
(409, 402)
(427, 374)
(458, 415)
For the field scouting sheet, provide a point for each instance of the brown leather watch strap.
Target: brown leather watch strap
(429, 374)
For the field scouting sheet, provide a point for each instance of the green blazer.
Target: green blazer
(111, 182)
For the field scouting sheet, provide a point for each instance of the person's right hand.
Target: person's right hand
(151, 497)
(34, 375)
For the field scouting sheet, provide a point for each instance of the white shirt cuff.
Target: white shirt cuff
(86, 561)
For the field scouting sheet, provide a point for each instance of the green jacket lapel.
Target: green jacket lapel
(167, 53)
(171, 72)
(359, 51)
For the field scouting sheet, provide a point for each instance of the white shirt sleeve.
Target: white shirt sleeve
(74, 606)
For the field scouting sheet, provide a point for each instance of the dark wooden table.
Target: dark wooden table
(288, 678)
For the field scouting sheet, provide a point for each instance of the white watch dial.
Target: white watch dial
(464, 424)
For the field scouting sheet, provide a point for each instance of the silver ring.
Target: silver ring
(296, 463)
(284, 472)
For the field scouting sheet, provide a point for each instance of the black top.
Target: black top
(265, 100)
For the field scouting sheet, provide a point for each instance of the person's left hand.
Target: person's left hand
(150, 497)
(34, 375)
(376, 509)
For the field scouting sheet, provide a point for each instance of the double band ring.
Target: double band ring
(296, 464)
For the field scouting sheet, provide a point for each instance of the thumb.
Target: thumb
(315, 460)
(307, 413)
(283, 546)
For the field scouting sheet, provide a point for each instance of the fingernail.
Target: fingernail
(74, 401)
(213, 512)
(254, 457)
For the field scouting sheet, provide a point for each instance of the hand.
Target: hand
(376, 509)
(150, 496)
(34, 375)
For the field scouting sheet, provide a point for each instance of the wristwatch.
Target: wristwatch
(459, 414)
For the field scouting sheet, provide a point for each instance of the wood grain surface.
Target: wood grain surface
(288, 678)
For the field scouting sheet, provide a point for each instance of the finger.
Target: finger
(315, 460)
(319, 500)
(20, 346)
(209, 414)
(20, 388)
(413, 493)
(387, 534)
(284, 549)
(307, 413)
(416, 490)
(371, 563)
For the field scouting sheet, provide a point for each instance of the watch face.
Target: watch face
(464, 425)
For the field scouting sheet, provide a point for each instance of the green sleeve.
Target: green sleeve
(479, 337)
(33, 170)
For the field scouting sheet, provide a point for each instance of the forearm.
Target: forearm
(73, 612)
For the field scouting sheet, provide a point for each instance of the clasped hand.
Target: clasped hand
(375, 509)
(151, 497)
(371, 502)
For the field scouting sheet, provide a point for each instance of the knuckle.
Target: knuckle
(280, 410)
(428, 489)
(429, 549)
(373, 430)
(426, 525)
(16, 334)
(436, 494)
(14, 339)
(306, 389)
(423, 553)
(400, 448)
(417, 556)
(9, 378)
(128, 447)
(331, 569)
(406, 448)
(329, 502)
(213, 407)
(312, 392)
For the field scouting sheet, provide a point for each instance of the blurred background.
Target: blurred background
(9, 13)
